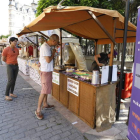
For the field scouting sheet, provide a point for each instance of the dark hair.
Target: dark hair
(12, 39)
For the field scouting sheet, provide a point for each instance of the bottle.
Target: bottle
(95, 77)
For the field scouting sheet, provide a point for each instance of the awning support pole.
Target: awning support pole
(31, 41)
(112, 53)
(61, 45)
(101, 26)
(43, 35)
(95, 52)
(37, 45)
(123, 56)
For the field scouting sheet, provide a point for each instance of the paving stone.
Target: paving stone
(6, 136)
(56, 132)
(40, 128)
(65, 134)
(7, 126)
(17, 137)
(43, 122)
(57, 127)
(46, 136)
(18, 121)
(56, 137)
(73, 136)
(3, 131)
(30, 132)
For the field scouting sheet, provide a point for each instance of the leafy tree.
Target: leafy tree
(118, 5)
(134, 11)
(4, 36)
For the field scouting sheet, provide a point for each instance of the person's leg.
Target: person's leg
(10, 72)
(38, 113)
(47, 83)
(40, 101)
(45, 101)
(15, 77)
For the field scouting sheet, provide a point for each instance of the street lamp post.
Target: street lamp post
(123, 54)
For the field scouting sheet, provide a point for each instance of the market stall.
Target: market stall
(92, 102)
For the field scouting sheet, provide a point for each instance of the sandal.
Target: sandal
(39, 115)
(48, 107)
(8, 99)
(13, 95)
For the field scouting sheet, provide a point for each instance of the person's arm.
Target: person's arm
(4, 58)
(4, 54)
(49, 58)
(96, 59)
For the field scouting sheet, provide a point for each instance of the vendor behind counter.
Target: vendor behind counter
(101, 60)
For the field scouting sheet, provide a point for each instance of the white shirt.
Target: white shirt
(45, 51)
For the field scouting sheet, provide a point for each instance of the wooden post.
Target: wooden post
(112, 52)
(118, 56)
(43, 35)
(61, 45)
(37, 45)
(95, 52)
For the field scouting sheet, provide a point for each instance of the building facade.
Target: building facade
(20, 15)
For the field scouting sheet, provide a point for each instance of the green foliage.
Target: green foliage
(105, 4)
(4, 36)
(118, 5)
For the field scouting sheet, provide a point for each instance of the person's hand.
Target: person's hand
(54, 51)
(38, 64)
(100, 64)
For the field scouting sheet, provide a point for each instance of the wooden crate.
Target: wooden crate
(64, 95)
(87, 103)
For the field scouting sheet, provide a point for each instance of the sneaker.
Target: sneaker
(39, 115)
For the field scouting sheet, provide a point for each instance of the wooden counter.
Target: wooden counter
(83, 105)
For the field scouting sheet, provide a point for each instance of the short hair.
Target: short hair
(54, 37)
(12, 39)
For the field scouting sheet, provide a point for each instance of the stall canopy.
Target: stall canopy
(80, 22)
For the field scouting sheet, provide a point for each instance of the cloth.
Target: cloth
(45, 51)
(46, 82)
(105, 107)
(30, 50)
(11, 55)
(12, 72)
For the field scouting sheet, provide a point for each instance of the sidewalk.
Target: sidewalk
(18, 121)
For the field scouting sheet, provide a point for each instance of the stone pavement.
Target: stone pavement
(18, 121)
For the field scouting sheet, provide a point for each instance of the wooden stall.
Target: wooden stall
(89, 102)
(85, 102)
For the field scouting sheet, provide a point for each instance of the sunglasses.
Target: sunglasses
(13, 50)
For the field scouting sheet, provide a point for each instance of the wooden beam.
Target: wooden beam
(112, 44)
(44, 35)
(31, 41)
(61, 45)
(101, 26)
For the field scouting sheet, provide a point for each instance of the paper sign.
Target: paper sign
(137, 76)
(105, 72)
(114, 73)
(73, 86)
(56, 78)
